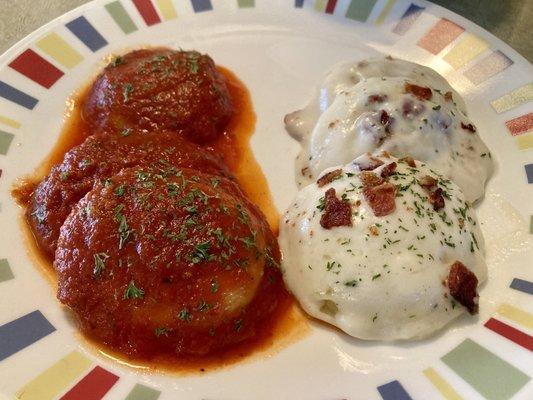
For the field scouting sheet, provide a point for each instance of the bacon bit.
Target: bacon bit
(381, 198)
(362, 64)
(386, 120)
(468, 127)
(461, 223)
(427, 182)
(409, 109)
(385, 153)
(448, 96)
(329, 177)
(409, 161)
(380, 194)
(436, 199)
(372, 163)
(336, 212)
(332, 124)
(377, 98)
(389, 57)
(462, 284)
(388, 170)
(370, 179)
(374, 231)
(422, 92)
(435, 196)
(305, 172)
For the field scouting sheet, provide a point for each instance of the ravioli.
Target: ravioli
(385, 104)
(383, 248)
(167, 261)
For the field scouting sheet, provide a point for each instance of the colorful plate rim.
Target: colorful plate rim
(478, 55)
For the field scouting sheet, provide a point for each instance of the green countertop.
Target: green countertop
(509, 19)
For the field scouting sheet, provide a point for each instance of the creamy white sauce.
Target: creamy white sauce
(341, 123)
(381, 278)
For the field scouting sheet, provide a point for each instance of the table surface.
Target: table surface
(508, 20)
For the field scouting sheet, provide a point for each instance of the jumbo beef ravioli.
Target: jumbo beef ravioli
(161, 89)
(168, 261)
(97, 159)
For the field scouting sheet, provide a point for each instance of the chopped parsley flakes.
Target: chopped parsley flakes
(238, 325)
(126, 91)
(117, 61)
(133, 292)
(124, 231)
(321, 204)
(201, 253)
(163, 331)
(119, 190)
(99, 263)
(184, 315)
(193, 66)
(203, 306)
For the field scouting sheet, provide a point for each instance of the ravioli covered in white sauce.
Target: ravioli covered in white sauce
(392, 105)
(383, 248)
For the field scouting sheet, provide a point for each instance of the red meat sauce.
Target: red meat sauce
(271, 320)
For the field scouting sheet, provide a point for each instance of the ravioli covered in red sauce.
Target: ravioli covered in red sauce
(156, 89)
(155, 215)
(97, 159)
(168, 260)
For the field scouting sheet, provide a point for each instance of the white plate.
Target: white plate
(280, 49)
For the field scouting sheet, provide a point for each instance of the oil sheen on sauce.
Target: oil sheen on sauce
(290, 323)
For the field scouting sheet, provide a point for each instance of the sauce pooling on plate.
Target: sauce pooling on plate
(163, 256)
(393, 105)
